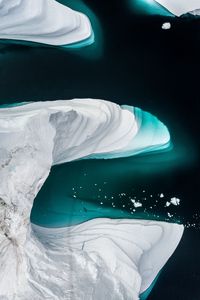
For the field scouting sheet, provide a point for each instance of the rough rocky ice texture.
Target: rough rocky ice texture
(42, 21)
(180, 7)
(196, 12)
(33, 137)
(132, 251)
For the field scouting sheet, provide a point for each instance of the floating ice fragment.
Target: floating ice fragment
(137, 204)
(166, 25)
(169, 215)
(175, 201)
(161, 195)
(43, 21)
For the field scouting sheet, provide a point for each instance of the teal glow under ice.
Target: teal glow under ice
(150, 7)
(59, 203)
(73, 26)
(145, 294)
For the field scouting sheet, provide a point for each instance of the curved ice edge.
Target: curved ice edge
(76, 45)
(134, 251)
(35, 136)
(44, 23)
(144, 295)
(118, 132)
(152, 137)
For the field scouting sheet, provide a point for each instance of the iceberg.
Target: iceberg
(132, 252)
(45, 22)
(110, 258)
(180, 7)
(167, 8)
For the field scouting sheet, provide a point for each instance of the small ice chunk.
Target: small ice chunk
(166, 25)
(175, 201)
(136, 203)
(167, 204)
(161, 195)
(169, 215)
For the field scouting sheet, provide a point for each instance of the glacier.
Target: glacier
(110, 258)
(45, 22)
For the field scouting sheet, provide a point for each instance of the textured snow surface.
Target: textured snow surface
(129, 252)
(42, 21)
(35, 136)
(180, 7)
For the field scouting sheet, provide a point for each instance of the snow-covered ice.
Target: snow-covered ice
(42, 21)
(180, 7)
(101, 258)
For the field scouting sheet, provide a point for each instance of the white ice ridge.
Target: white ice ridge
(180, 7)
(120, 257)
(42, 21)
(33, 137)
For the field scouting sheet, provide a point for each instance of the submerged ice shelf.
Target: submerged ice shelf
(43, 21)
(35, 136)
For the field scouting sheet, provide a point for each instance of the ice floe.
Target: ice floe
(43, 21)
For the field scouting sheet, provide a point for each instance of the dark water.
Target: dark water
(132, 62)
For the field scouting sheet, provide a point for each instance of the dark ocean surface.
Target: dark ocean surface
(133, 61)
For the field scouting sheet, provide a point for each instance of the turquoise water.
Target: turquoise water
(13, 104)
(71, 196)
(139, 64)
(149, 7)
(146, 293)
(81, 190)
